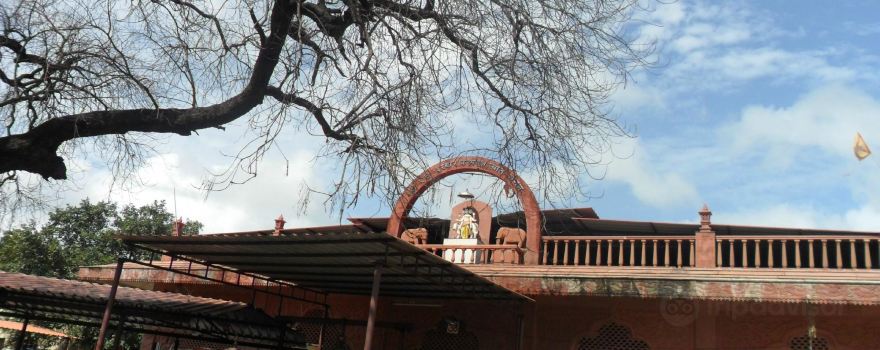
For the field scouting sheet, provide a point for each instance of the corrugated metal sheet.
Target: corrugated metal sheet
(141, 310)
(97, 293)
(601, 227)
(334, 262)
(554, 220)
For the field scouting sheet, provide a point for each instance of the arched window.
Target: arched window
(806, 342)
(331, 335)
(612, 336)
(312, 330)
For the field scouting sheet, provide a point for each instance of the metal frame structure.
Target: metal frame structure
(360, 263)
(325, 263)
(256, 280)
(168, 314)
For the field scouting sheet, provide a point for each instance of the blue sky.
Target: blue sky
(751, 108)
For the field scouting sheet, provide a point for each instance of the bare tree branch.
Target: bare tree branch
(380, 80)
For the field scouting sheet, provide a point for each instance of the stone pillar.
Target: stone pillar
(705, 240)
(177, 229)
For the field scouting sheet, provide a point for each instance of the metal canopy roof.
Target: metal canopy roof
(554, 220)
(340, 262)
(616, 227)
(142, 311)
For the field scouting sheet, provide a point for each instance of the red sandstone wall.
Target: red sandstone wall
(558, 322)
(685, 324)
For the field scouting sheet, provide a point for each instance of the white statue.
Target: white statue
(466, 226)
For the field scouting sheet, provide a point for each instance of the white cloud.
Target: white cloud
(651, 184)
(660, 20)
(710, 45)
(786, 164)
(826, 117)
(747, 64)
(789, 165)
(807, 175)
(778, 215)
(638, 97)
(702, 35)
(865, 218)
(180, 168)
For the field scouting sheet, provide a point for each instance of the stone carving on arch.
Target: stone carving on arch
(458, 165)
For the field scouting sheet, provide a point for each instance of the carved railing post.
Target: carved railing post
(705, 240)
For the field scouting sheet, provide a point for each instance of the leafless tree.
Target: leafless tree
(378, 79)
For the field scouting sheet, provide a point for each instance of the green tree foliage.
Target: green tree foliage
(154, 219)
(29, 250)
(85, 234)
(82, 235)
(146, 220)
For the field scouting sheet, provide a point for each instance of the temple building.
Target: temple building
(534, 279)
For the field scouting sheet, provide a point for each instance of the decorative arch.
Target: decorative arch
(483, 165)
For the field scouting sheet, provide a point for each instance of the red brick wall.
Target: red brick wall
(558, 322)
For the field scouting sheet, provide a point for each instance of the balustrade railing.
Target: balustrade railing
(618, 250)
(739, 251)
(478, 254)
(834, 252)
(799, 252)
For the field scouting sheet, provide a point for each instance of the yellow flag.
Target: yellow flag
(861, 148)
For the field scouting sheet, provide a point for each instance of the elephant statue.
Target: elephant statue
(509, 236)
(415, 235)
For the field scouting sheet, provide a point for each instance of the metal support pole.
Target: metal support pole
(522, 330)
(176, 343)
(105, 322)
(323, 323)
(22, 336)
(283, 333)
(374, 301)
(280, 300)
